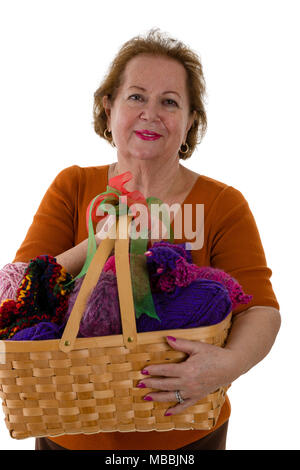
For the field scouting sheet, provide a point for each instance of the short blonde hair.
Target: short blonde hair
(156, 43)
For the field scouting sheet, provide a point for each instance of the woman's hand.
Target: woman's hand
(206, 369)
(209, 367)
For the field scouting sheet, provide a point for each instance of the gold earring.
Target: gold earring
(107, 137)
(187, 148)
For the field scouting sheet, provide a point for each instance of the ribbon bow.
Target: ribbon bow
(143, 301)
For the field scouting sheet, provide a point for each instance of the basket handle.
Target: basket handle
(127, 311)
(124, 283)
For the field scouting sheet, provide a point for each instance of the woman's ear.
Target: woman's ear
(190, 122)
(107, 108)
(192, 119)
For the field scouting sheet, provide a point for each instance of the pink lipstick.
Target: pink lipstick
(144, 134)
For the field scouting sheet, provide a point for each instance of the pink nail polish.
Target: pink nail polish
(141, 385)
(171, 338)
(148, 398)
(145, 372)
(168, 414)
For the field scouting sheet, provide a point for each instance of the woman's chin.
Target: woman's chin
(145, 155)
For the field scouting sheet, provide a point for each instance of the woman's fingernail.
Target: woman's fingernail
(171, 338)
(168, 414)
(141, 385)
(148, 398)
(148, 253)
(145, 372)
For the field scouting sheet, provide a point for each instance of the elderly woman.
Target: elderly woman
(150, 108)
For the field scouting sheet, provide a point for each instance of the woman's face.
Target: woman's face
(150, 116)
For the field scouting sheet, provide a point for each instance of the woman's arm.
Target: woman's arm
(209, 367)
(52, 228)
(73, 259)
(252, 335)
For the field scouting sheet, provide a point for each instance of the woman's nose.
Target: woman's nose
(150, 112)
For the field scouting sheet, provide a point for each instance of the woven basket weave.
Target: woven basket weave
(88, 385)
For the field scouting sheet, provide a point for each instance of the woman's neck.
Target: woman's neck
(162, 180)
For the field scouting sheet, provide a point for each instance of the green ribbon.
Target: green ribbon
(143, 300)
(92, 245)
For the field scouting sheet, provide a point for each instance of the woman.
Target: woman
(150, 107)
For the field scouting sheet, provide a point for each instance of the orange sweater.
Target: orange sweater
(231, 243)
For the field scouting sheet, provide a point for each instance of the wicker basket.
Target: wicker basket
(88, 385)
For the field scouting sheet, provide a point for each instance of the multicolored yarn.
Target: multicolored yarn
(170, 267)
(10, 277)
(202, 303)
(41, 296)
(184, 296)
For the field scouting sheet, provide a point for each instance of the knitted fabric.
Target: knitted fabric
(10, 277)
(41, 296)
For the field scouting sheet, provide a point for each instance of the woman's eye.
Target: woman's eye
(135, 97)
(170, 102)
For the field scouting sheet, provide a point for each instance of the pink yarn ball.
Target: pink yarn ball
(10, 277)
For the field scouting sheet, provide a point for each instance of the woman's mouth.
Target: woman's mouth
(144, 134)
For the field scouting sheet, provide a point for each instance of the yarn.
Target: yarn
(184, 296)
(110, 265)
(202, 303)
(102, 314)
(235, 290)
(175, 271)
(10, 277)
(40, 331)
(177, 249)
(41, 296)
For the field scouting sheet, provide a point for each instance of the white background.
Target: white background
(54, 55)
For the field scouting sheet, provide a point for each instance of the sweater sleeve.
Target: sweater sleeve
(52, 229)
(236, 248)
